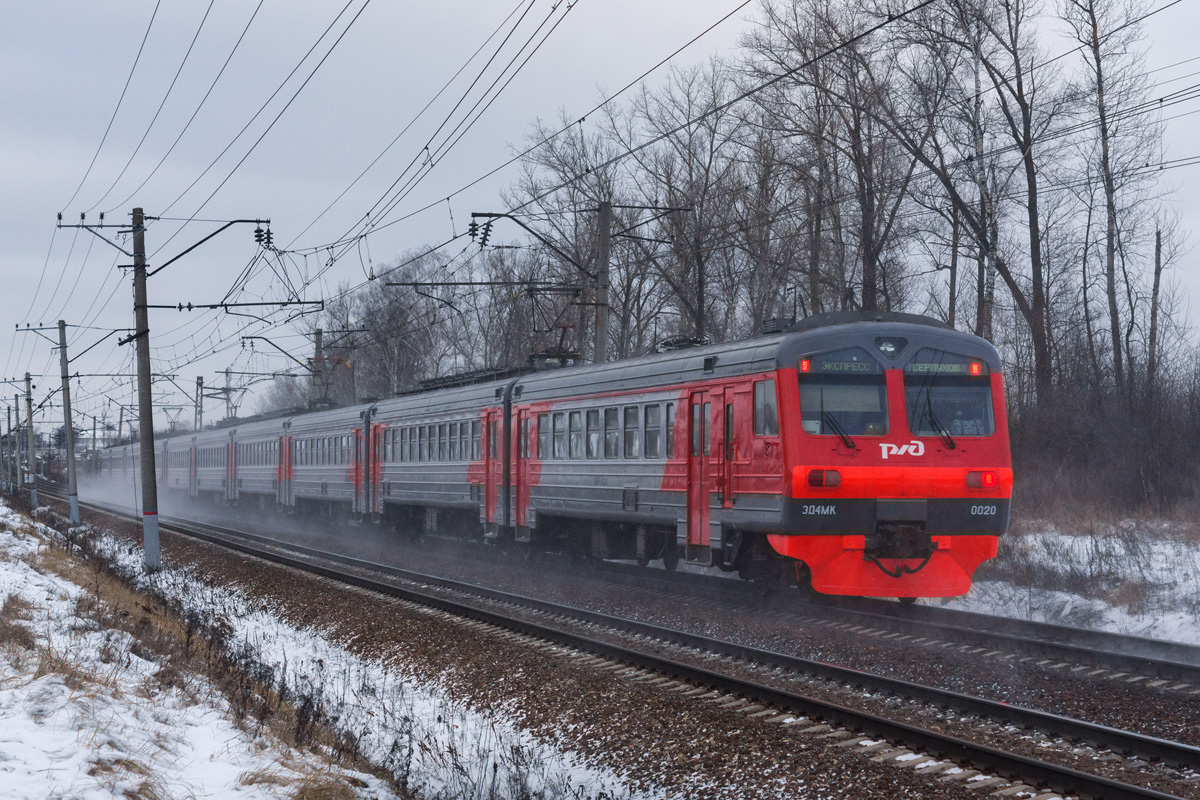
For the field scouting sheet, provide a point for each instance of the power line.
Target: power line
(154, 119)
(120, 100)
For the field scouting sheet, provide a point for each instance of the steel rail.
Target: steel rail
(1009, 764)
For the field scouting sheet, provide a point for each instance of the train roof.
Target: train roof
(813, 334)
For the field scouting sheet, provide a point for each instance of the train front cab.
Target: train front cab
(898, 467)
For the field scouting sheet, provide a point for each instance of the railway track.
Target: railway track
(455, 597)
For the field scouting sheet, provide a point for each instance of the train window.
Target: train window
(632, 425)
(423, 455)
(670, 430)
(948, 395)
(454, 441)
(523, 438)
(593, 433)
(560, 435)
(443, 442)
(705, 429)
(612, 433)
(492, 436)
(543, 434)
(766, 413)
(653, 435)
(464, 440)
(403, 445)
(476, 450)
(843, 393)
(730, 452)
(576, 431)
(412, 443)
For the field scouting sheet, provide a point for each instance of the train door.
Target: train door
(521, 450)
(491, 465)
(231, 471)
(375, 475)
(193, 490)
(699, 476)
(358, 472)
(283, 472)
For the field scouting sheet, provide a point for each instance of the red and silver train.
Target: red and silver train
(864, 454)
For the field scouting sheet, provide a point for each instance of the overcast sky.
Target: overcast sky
(66, 65)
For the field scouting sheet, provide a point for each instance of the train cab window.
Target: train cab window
(766, 413)
(612, 433)
(476, 449)
(653, 434)
(670, 430)
(543, 434)
(632, 432)
(594, 434)
(576, 434)
(843, 393)
(948, 395)
(560, 434)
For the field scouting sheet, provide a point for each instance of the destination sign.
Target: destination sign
(851, 361)
(937, 362)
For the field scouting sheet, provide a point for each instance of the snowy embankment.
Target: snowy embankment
(399, 722)
(86, 712)
(1134, 577)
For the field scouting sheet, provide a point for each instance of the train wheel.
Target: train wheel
(804, 580)
(670, 557)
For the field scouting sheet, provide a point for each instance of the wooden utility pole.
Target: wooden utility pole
(603, 256)
(151, 556)
(31, 468)
(72, 485)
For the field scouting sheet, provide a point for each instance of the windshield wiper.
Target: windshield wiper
(838, 429)
(937, 425)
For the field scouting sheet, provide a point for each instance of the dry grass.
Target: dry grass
(183, 647)
(12, 632)
(52, 662)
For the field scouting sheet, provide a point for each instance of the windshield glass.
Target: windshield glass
(843, 393)
(947, 393)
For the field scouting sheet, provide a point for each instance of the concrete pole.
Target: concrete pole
(16, 465)
(198, 423)
(4, 449)
(151, 555)
(31, 468)
(72, 485)
(318, 375)
(603, 256)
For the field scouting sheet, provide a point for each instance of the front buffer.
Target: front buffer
(894, 547)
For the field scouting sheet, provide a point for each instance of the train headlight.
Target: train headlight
(824, 478)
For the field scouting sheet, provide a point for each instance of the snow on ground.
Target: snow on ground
(82, 716)
(1134, 578)
(401, 722)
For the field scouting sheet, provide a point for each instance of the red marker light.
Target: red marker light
(804, 365)
(976, 368)
(982, 480)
